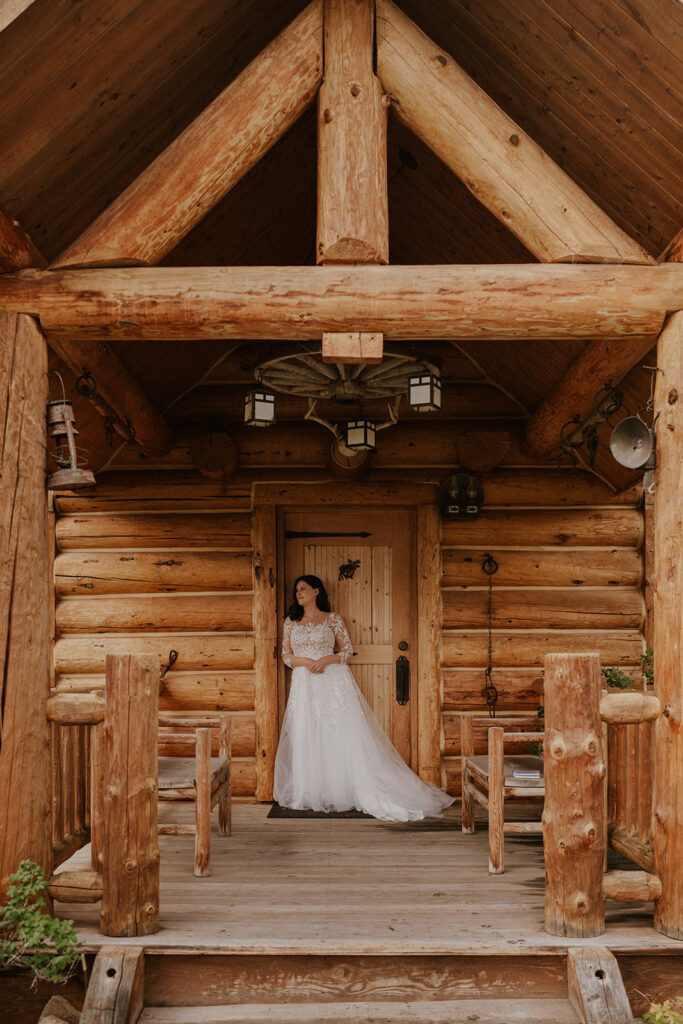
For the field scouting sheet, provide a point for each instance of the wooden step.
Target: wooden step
(448, 1011)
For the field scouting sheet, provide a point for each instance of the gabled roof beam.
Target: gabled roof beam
(606, 359)
(497, 161)
(217, 149)
(300, 303)
(120, 393)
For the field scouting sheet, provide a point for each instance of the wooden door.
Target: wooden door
(366, 561)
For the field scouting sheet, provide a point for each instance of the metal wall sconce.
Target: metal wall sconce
(424, 392)
(259, 408)
(360, 435)
(461, 496)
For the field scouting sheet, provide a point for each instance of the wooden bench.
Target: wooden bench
(203, 780)
(488, 779)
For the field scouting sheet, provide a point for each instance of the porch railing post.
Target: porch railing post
(574, 821)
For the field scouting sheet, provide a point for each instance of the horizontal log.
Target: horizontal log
(176, 830)
(147, 491)
(632, 847)
(145, 572)
(133, 530)
(498, 162)
(523, 828)
(481, 725)
(629, 708)
(626, 886)
(154, 612)
(243, 740)
(76, 887)
(402, 302)
(517, 688)
(599, 527)
(184, 691)
(520, 649)
(76, 708)
(551, 608)
(75, 655)
(567, 567)
(212, 154)
(243, 778)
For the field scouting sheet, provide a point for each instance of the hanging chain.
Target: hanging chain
(490, 566)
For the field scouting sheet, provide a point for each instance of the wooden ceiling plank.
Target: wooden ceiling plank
(601, 361)
(590, 73)
(120, 393)
(353, 217)
(299, 303)
(185, 181)
(566, 132)
(11, 10)
(507, 171)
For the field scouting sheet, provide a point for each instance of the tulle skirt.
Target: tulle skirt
(334, 756)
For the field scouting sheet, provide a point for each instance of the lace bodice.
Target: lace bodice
(316, 639)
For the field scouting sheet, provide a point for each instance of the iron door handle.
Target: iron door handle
(402, 680)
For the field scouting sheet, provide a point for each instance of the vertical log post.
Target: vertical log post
(496, 800)
(353, 216)
(202, 838)
(130, 845)
(96, 795)
(225, 754)
(667, 745)
(265, 647)
(429, 643)
(25, 767)
(466, 750)
(574, 825)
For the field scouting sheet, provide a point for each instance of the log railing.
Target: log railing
(629, 791)
(575, 815)
(70, 751)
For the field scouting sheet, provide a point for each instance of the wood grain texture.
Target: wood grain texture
(264, 543)
(353, 215)
(429, 642)
(115, 991)
(402, 302)
(667, 737)
(574, 825)
(25, 772)
(211, 155)
(492, 155)
(130, 847)
(596, 988)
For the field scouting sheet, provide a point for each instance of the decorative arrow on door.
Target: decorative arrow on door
(291, 534)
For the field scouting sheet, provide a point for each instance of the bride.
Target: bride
(333, 753)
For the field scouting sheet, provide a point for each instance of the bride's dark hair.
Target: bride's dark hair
(296, 610)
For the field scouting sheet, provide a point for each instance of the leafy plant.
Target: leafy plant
(537, 748)
(668, 1012)
(616, 678)
(647, 666)
(29, 937)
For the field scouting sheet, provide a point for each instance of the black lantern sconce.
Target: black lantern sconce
(461, 496)
(259, 408)
(360, 435)
(424, 392)
(61, 427)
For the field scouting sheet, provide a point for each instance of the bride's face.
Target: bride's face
(306, 594)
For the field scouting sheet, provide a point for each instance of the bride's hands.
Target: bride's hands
(320, 665)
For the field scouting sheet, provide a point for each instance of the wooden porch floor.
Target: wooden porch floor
(356, 886)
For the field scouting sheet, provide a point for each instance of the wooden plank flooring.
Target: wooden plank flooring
(355, 886)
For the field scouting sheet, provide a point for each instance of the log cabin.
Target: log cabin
(319, 201)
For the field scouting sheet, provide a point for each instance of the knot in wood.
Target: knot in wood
(355, 89)
(672, 396)
(590, 833)
(327, 115)
(591, 746)
(558, 750)
(441, 59)
(514, 140)
(581, 901)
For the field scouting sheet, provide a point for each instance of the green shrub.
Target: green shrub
(668, 1012)
(29, 937)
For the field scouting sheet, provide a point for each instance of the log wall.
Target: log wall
(154, 569)
(159, 560)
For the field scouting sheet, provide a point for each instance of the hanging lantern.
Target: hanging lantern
(259, 408)
(61, 427)
(424, 392)
(360, 435)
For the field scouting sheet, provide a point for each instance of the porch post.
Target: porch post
(667, 746)
(265, 644)
(25, 770)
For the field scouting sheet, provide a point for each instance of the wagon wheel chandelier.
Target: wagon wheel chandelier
(302, 372)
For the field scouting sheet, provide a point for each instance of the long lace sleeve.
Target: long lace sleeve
(342, 638)
(287, 643)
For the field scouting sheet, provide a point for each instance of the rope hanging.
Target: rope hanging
(490, 566)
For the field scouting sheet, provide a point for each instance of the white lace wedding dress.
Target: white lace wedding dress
(333, 754)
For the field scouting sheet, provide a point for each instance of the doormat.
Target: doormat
(289, 812)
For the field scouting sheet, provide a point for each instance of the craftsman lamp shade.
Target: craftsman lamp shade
(360, 436)
(424, 392)
(259, 408)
